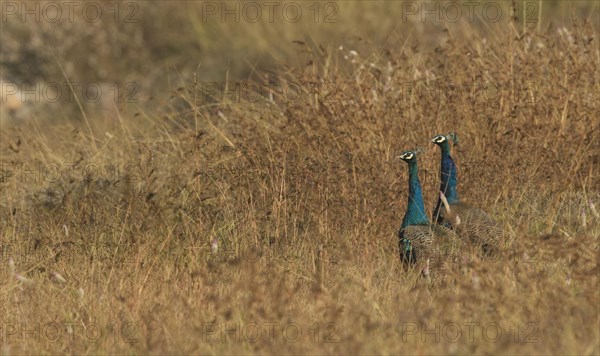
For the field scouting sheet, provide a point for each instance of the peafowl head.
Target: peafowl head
(409, 157)
(442, 140)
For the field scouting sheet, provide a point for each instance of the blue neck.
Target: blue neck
(448, 175)
(415, 211)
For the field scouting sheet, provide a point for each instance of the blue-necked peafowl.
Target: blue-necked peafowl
(419, 241)
(468, 221)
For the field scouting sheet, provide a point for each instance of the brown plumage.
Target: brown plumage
(430, 247)
(474, 224)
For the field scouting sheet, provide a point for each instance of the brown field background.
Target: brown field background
(109, 213)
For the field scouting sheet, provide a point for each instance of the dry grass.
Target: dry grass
(270, 226)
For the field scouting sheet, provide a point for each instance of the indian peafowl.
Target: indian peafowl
(419, 241)
(468, 221)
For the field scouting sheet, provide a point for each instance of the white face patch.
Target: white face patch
(407, 156)
(439, 139)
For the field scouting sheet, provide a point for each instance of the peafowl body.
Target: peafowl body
(472, 222)
(419, 241)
